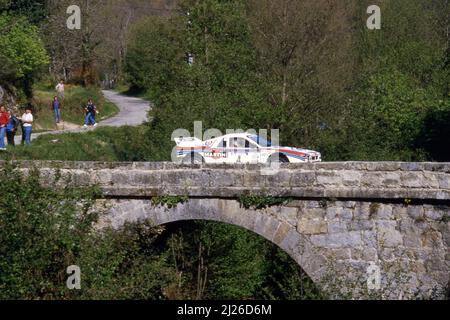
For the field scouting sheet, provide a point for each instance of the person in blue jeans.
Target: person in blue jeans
(56, 106)
(91, 111)
(4, 119)
(27, 120)
(11, 129)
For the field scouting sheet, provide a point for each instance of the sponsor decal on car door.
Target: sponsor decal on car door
(218, 154)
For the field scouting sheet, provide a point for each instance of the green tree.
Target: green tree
(22, 51)
(391, 113)
(305, 53)
(4, 4)
(155, 55)
(8, 71)
(284, 279)
(221, 88)
(433, 137)
(402, 78)
(34, 10)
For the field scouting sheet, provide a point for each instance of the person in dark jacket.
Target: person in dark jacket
(91, 112)
(11, 129)
(56, 107)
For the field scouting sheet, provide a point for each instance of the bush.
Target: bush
(41, 233)
(47, 229)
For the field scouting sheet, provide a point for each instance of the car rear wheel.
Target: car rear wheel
(277, 158)
(193, 158)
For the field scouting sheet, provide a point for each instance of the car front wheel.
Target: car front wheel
(193, 158)
(277, 158)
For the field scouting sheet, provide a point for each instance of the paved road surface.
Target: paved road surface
(133, 112)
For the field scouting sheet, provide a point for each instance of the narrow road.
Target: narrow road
(132, 112)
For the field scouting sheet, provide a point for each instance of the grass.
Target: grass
(72, 108)
(101, 144)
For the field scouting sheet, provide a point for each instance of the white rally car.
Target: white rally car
(239, 148)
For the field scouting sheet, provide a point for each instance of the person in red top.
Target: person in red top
(4, 119)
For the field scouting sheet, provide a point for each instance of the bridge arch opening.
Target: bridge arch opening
(220, 260)
(264, 223)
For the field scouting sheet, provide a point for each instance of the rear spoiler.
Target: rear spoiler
(188, 140)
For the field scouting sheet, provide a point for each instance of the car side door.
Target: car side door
(217, 153)
(252, 152)
(242, 150)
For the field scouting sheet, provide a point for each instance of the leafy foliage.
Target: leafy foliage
(403, 79)
(220, 261)
(4, 4)
(434, 135)
(169, 201)
(125, 264)
(149, 68)
(286, 281)
(34, 10)
(217, 89)
(47, 229)
(21, 45)
(39, 235)
(313, 71)
(261, 202)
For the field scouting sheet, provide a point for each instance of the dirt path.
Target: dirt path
(132, 112)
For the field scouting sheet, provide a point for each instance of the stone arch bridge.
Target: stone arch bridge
(369, 229)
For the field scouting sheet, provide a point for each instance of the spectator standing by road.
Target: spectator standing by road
(91, 111)
(4, 119)
(11, 129)
(27, 120)
(60, 89)
(56, 107)
(22, 128)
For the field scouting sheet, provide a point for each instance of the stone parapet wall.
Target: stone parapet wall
(353, 180)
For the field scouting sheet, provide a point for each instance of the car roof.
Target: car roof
(231, 135)
(239, 135)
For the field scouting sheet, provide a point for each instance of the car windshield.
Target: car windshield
(261, 141)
